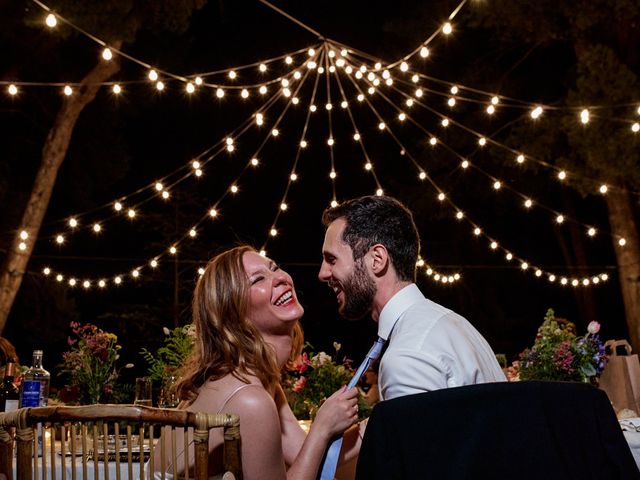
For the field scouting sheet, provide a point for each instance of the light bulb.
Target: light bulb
(536, 112)
(51, 21)
(584, 116)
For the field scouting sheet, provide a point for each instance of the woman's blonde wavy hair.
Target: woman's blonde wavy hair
(226, 340)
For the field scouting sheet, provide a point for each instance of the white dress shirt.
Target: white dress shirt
(430, 347)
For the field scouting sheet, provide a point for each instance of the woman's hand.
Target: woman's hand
(338, 412)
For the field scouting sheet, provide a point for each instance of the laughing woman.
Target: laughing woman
(246, 315)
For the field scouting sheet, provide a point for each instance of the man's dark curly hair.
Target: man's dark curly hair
(378, 219)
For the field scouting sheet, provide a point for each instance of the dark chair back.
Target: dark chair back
(537, 430)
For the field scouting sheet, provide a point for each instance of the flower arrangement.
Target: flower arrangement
(313, 378)
(558, 354)
(168, 359)
(90, 364)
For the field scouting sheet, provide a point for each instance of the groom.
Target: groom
(369, 254)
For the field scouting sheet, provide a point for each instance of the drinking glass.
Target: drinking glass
(143, 392)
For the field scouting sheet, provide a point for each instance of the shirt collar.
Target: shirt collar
(395, 307)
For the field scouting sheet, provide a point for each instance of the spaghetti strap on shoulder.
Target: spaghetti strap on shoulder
(231, 395)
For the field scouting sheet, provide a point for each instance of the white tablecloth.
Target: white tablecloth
(91, 468)
(631, 429)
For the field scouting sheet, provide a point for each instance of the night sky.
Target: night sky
(122, 145)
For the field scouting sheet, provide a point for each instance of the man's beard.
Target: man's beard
(359, 290)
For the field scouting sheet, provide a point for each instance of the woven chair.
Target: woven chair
(113, 442)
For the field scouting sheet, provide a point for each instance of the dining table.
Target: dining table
(631, 430)
(65, 466)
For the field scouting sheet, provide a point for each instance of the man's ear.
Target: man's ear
(379, 259)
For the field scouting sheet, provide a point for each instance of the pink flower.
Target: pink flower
(301, 363)
(593, 328)
(299, 385)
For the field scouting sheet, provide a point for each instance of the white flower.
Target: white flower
(320, 359)
(191, 331)
(593, 328)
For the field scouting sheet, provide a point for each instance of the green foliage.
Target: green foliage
(169, 358)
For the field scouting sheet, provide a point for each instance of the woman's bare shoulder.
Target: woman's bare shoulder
(215, 395)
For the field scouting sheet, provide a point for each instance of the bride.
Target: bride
(246, 317)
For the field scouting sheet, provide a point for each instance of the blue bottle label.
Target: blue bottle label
(30, 393)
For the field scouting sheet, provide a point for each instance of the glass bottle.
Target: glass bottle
(9, 393)
(35, 384)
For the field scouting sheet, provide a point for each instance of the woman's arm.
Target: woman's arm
(304, 454)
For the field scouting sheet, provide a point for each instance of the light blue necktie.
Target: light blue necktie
(331, 459)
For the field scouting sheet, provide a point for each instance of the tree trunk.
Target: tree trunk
(53, 154)
(623, 224)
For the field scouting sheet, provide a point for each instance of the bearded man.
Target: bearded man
(370, 253)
